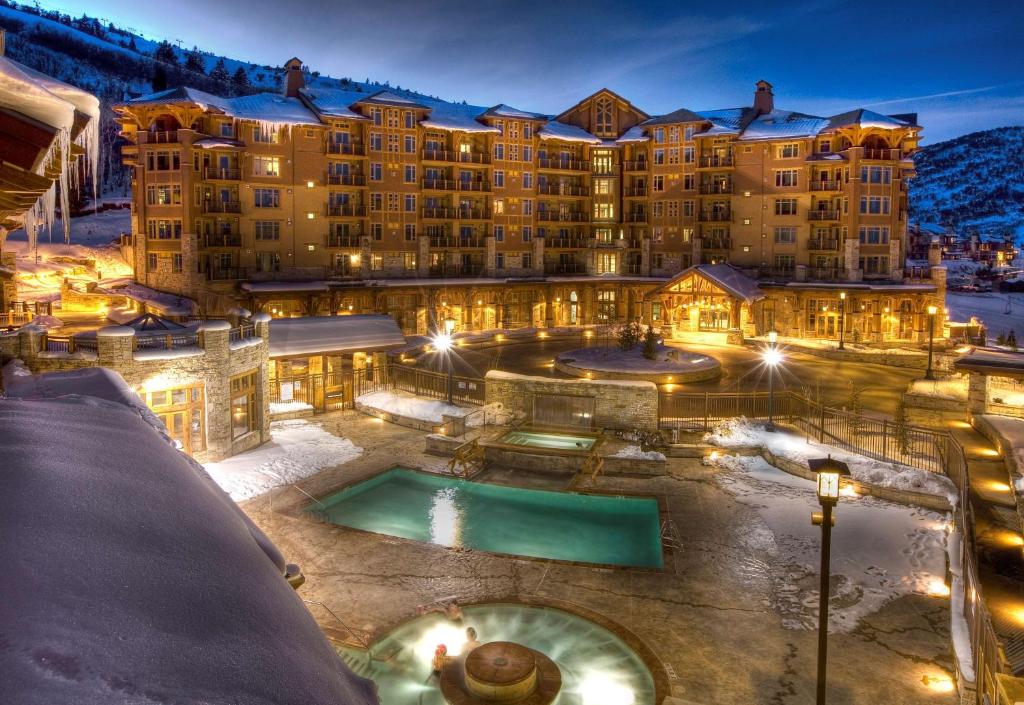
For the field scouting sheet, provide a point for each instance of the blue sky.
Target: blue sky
(957, 64)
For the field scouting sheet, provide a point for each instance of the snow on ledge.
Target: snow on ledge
(636, 453)
(513, 377)
(169, 354)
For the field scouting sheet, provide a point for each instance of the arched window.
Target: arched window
(604, 117)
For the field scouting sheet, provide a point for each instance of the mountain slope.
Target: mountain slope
(972, 182)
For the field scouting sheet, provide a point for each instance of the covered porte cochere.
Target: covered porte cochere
(710, 303)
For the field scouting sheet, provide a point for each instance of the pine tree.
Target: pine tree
(240, 80)
(901, 430)
(219, 72)
(159, 79)
(650, 343)
(165, 53)
(194, 61)
(855, 406)
(131, 44)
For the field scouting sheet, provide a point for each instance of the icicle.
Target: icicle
(67, 165)
(89, 140)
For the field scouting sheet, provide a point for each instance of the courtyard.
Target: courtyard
(730, 618)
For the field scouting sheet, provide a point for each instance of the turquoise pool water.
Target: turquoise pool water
(554, 441)
(452, 512)
(597, 667)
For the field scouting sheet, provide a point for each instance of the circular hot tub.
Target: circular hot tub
(670, 365)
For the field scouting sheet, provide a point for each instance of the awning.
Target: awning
(318, 335)
(724, 276)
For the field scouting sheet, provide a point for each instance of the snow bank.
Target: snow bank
(881, 551)
(959, 631)
(636, 453)
(742, 433)
(289, 407)
(410, 406)
(297, 449)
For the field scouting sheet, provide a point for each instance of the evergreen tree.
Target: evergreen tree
(131, 44)
(219, 72)
(901, 430)
(650, 343)
(240, 80)
(159, 79)
(629, 335)
(165, 53)
(194, 61)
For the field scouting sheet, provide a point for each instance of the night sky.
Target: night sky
(957, 64)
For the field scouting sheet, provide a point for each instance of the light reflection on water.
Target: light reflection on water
(597, 667)
(446, 518)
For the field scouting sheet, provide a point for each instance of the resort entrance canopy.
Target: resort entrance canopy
(333, 335)
(705, 297)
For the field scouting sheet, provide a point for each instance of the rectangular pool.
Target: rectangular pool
(451, 512)
(548, 441)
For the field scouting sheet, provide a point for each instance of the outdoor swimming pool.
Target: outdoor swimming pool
(550, 441)
(451, 512)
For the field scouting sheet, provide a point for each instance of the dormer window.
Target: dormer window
(227, 129)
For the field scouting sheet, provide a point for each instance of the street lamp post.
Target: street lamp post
(449, 328)
(842, 318)
(828, 471)
(930, 373)
(772, 357)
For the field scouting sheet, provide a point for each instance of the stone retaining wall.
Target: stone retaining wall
(618, 404)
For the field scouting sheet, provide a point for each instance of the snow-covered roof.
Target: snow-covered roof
(681, 115)
(992, 361)
(85, 103)
(271, 108)
(386, 97)
(456, 117)
(506, 111)
(724, 276)
(282, 287)
(633, 134)
(866, 118)
(335, 102)
(783, 124)
(727, 120)
(569, 133)
(114, 593)
(181, 94)
(217, 143)
(316, 335)
(22, 93)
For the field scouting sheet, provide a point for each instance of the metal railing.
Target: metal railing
(346, 179)
(444, 155)
(217, 174)
(563, 190)
(170, 341)
(351, 149)
(346, 210)
(246, 331)
(564, 164)
(465, 390)
(819, 215)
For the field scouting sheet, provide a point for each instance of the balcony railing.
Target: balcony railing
(634, 217)
(715, 188)
(457, 270)
(564, 164)
(218, 174)
(465, 185)
(881, 154)
(442, 213)
(474, 213)
(348, 240)
(826, 185)
(346, 179)
(166, 342)
(820, 215)
(563, 190)
(637, 165)
(716, 216)
(828, 245)
(223, 240)
(565, 268)
(777, 272)
(456, 185)
(453, 242)
(716, 161)
(222, 206)
(346, 210)
(351, 149)
(634, 269)
(561, 216)
(634, 191)
(716, 243)
(443, 155)
(826, 273)
(564, 243)
(225, 273)
(157, 137)
(246, 331)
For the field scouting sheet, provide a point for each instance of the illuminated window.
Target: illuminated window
(604, 117)
(183, 411)
(266, 166)
(243, 404)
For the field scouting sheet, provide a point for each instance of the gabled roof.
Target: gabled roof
(386, 97)
(506, 111)
(681, 115)
(555, 130)
(181, 94)
(724, 276)
(593, 95)
(633, 134)
(865, 118)
(333, 102)
(783, 124)
(456, 117)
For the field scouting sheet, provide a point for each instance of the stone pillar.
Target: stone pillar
(114, 347)
(423, 256)
(213, 338)
(645, 256)
(262, 323)
(977, 393)
(365, 254)
(490, 255)
(538, 255)
(380, 366)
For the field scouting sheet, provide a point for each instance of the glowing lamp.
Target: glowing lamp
(829, 472)
(932, 310)
(842, 295)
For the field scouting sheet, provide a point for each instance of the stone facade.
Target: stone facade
(211, 364)
(618, 404)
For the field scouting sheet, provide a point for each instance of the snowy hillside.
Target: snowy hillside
(972, 182)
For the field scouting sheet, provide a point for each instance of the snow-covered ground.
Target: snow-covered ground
(432, 410)
(991, 309)
(742, 433)
(880, 551)
(833, 344)
(298, 449)
(615, 359)
(637, 453)
(93, 237)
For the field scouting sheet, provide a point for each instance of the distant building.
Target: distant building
(325, 201)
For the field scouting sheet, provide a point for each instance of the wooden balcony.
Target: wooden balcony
(222, 206)
(551, 216)
(222, 240)
(211, 173)
(225, 273)
(457, 242)
(351, 240)
(823, 245)
(826, 185)
(567, 190)
(558, 164)
(822, 215)
(564, 243)
(634, 191)
(346, 179)
(715, 216)
(453, 157)
(346, 149)
(713, 189)
(157, 137)
(346, 210)
(826, 273)
(716, 161)
(639, 165)
(886, 155)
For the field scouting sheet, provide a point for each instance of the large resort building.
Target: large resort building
(327, 201)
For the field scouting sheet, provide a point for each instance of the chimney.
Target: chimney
(764, 99)
(294, 80)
